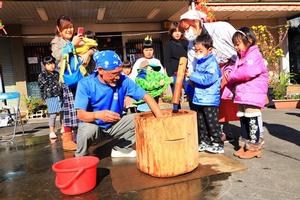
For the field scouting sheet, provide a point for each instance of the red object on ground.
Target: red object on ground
(228, 109)
(76, 175)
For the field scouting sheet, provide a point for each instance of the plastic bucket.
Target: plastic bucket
(76, 175)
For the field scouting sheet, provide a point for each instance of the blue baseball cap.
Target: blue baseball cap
(107, 60)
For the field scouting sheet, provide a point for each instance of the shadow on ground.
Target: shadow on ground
(295, 114)
(28, 172)
(27, 130)
(232, 134)
(101, 174)
(284, 132)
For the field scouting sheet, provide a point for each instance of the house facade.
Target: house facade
(120, 25)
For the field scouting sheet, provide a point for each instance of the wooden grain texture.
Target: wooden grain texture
(167, 146)
(179, 79)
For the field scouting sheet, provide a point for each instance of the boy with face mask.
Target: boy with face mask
(221, 33)
(206, 80)
(223, 49)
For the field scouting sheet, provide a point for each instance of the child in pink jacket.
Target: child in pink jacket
(248, 86)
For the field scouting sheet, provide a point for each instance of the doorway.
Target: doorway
(110, 41)
(294, 49)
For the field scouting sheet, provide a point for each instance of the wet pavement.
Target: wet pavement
(25, 169)
(26, 174)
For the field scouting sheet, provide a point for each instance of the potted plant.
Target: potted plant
(282, 100)
(36, 107)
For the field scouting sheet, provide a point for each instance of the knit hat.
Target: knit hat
(107, 60)
(193, 15)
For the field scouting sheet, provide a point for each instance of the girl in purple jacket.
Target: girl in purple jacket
(248, 86)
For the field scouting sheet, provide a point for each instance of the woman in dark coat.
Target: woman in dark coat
(175, 48)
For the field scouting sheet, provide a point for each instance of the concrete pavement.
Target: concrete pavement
(277, 174)
(25, 169)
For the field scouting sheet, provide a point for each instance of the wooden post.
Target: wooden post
(167, 146)
(178, 85)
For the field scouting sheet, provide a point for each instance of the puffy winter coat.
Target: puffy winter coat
(207, 79)
(248, 80)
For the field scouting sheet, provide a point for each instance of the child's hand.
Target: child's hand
(162, 82)
(77, 41)
(81, 43)
(144, 64)
(172, 78)
(187, 74)
(226, 74)
(85, 58)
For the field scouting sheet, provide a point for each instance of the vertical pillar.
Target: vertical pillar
(285, 61)
(18, 61)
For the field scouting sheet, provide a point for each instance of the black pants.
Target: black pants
(250, 129)
(209, 129)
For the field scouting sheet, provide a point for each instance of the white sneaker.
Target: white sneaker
(52, 135)
(202, 146)
(215, 148)
(119, 154)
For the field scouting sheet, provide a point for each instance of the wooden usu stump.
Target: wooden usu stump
(167, 146)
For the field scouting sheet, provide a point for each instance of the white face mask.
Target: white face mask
(198, 57)
(190, 35)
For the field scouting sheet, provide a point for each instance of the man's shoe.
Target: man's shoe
(119, 154)
(215, 148)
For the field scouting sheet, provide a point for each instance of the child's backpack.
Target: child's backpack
(72, 70)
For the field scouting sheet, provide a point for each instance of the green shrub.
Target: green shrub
(166, 99)
(35, 104)
(280, 84)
